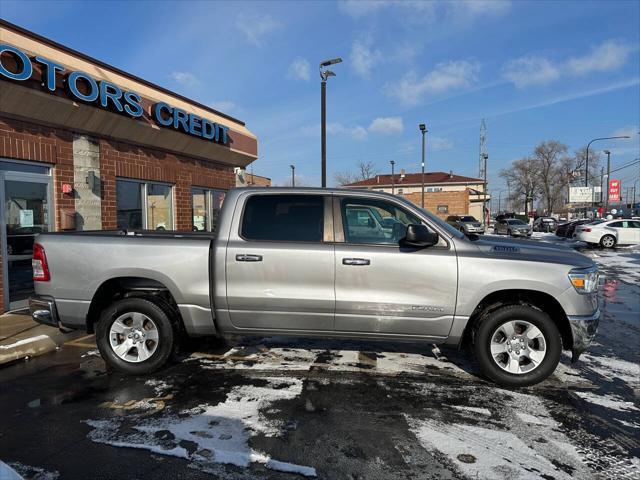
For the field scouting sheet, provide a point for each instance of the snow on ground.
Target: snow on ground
(26, 471)
(621, 263)
(209, 434)
(608, 401)
(611, 368)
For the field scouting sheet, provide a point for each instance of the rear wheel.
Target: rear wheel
(608, 241)
(517, 346)
(135, 335)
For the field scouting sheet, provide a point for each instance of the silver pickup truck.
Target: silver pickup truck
(306, 262)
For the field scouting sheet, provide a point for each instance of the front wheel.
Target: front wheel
(517, 346)
(135, 335)
(608, 241)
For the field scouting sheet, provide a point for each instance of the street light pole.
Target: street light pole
(293, 175)
(606, 184)
(484, 200)
(393, 185)
(324, 75)
(586, 164)
(423, 129)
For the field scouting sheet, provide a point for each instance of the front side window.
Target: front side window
(144, 205)
(283, 218)
(374, 221)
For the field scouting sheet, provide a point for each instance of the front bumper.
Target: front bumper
(521, 233)
(583, 330)
(43, 310)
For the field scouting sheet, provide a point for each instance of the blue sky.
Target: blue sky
(534, 70)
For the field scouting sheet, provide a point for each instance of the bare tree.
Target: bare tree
(365, 170)
(549, 156)
(523, 179)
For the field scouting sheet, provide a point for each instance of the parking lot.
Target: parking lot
(285, 408)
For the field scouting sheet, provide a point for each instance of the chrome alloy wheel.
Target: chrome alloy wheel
(608, 241)
(133, 337)
(518, 347)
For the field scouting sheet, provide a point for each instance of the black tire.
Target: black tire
(606, 239)
(159, 313)
(509, 233)
(490, 323)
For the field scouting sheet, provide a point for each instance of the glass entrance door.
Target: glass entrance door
(26, 211)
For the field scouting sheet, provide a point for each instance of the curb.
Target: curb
(41, 340)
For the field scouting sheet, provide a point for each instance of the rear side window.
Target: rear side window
(283, 218)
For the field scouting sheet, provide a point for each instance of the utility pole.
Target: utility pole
(393, 184)
(324, 75)
(484, 190)
(293, 175)
(423, 129)
(606, 205)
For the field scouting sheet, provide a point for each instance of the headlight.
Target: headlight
(584, 280)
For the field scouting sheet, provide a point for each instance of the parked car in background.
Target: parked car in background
(310, 263)
(610, 233)
(465, 223)
(571, 229)
(579, 228)
(512, 227)
(544, 224)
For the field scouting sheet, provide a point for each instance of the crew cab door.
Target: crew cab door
(279, 264)
(383, 288)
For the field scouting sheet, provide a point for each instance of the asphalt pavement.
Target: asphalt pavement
(285, 408)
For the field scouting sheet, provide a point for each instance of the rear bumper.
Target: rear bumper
(583, 329)
(43, 310)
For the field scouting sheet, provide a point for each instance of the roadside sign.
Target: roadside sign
(614, 191)
(584, 194)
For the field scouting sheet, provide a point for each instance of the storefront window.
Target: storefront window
(129, 204)
(143, 205)
(159, 211)
(206, 204)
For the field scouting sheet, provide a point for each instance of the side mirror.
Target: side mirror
(420, 236)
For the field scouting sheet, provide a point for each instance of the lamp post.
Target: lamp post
(324, 75)
(484, 191)
(606, 184)
(586, 164)
(423, 129)
(293, 175)
(393, 185)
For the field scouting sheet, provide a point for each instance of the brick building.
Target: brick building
(86, 146)
(445, 193)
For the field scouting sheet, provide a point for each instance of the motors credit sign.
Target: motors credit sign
(614, 190)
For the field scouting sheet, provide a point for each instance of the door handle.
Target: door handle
(243, 257)
(356, 261)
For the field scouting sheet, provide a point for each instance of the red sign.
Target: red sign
(614, 191)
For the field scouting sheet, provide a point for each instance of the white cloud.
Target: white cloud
(438, 144)
(224, 106)
(608, 56)
(299, 70)
(357, 132)
(426, 10)
(363, 57)
(184, 78)
(386, 125)
(536, 70)
(452, 75)
(531, 70)
(255, 27)
(481, 7)
(629, 131)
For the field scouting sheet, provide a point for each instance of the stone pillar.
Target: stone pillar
(86, 181)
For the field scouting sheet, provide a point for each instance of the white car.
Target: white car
(611, 233)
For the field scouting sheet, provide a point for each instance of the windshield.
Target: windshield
(515, 221)
(468, 218)
(596, 222)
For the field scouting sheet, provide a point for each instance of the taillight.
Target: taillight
(586, 229)
(39, 264)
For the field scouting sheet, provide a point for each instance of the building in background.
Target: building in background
(87, 146)
(445, 193)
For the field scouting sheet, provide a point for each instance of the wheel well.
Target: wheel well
(539, 300)
(125, 287)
